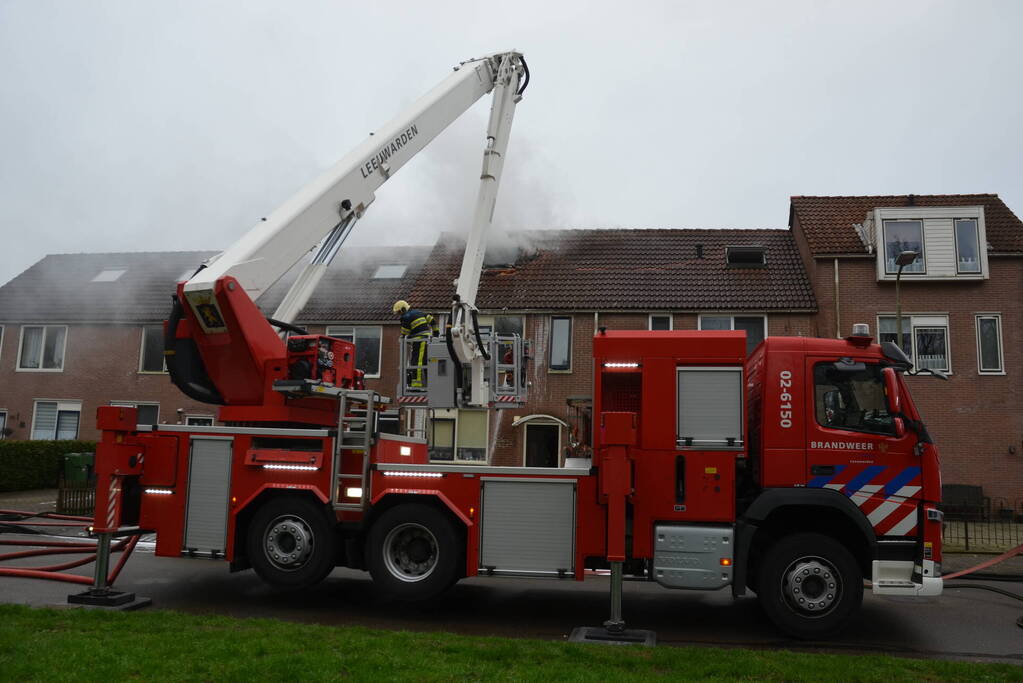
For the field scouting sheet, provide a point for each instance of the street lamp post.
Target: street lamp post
(904, 259)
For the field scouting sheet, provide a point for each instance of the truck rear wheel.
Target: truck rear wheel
(809, 585)
(414, 552)
(291, 544)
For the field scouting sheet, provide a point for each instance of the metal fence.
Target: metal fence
(76, 497)
(981, 524)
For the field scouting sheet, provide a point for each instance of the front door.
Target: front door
(542, 445)
(852, 446)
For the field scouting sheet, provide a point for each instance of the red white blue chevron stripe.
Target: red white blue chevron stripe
(884, 494)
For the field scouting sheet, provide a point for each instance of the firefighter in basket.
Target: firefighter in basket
(419, 327)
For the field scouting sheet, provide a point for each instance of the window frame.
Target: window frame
(211, 418)
(377, 276)
(136, 404)
(923, 246)
(926, 321)
(454, 415)
(731, 317)
(59, 402)
(3, 423)
(431, 431)
(142, 352)
(745, 249)
(567, 368)
(42, 349)
(650, 321)
(380, 342)
(955, 242)
(997, 317)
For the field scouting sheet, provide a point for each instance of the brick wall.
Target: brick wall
(976, 420)
(100, 365)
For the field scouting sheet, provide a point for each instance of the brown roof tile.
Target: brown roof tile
(618, 269)
(828, 222)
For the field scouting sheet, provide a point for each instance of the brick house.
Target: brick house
(559, 287)
(78, 331)
(960, 306)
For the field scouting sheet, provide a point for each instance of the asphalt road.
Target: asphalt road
(963, 623)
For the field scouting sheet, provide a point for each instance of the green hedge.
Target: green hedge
(26, 465)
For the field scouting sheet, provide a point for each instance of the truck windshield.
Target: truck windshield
(853, 401)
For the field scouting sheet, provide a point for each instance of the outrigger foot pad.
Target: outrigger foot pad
(108, 598)
(601, 634)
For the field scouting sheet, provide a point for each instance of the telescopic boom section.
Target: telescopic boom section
(220, 349)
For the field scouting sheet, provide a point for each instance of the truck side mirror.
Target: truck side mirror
(892, 393)
(900, 427)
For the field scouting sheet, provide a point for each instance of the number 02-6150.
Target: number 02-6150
(785, 385)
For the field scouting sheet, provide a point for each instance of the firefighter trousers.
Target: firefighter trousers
(417, 363)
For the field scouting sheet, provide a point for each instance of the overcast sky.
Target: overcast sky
(139, 125)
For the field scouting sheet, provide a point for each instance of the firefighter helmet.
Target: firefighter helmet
(400, 306)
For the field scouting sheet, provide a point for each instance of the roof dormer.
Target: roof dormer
(951, 241)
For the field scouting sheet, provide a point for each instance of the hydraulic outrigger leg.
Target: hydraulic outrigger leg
(101, 594)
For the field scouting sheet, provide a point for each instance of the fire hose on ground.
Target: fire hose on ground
(98, 552)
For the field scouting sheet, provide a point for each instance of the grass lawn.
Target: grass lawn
(54, 645)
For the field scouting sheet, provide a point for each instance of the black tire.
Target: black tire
(291, 543)
(414, 552)
(809, 585)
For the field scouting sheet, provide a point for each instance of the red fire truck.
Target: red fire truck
(795, 472)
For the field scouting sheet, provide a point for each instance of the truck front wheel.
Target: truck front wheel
(291, 544)
(414, 552)
(809, 585)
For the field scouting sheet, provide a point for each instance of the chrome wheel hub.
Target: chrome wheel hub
(410, 552)
(811, 586)
(288, 542)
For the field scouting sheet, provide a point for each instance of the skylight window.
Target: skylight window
(389, 271)
(746, 257)
(110, 275)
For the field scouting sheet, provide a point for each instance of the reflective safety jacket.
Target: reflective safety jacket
(416, 323)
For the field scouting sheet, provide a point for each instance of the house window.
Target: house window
(659, 322)
(56, 420)
(561, 343)
(151, 358)
(367, 340)
(42, 348)
(471, 436)
(989, 344)
(542, 444)
(199, 420)
(755, 326)
(3, 424)
(900, 236)
(389, 271)
(149, 413)
(442, 439)
(924, 339)
(745, 257)
(967, 246)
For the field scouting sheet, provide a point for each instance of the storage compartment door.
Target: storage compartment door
(528, 527)
(209, 486)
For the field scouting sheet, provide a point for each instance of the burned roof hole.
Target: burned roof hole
(746, 256)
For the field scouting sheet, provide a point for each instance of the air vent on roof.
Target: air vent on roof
(389, 271)
(109, 275)
(746, 257)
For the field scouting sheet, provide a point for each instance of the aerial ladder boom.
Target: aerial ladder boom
(221, 335)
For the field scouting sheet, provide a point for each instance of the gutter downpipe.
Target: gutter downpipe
(838, 315)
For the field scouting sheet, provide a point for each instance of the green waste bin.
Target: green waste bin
(78, 467)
